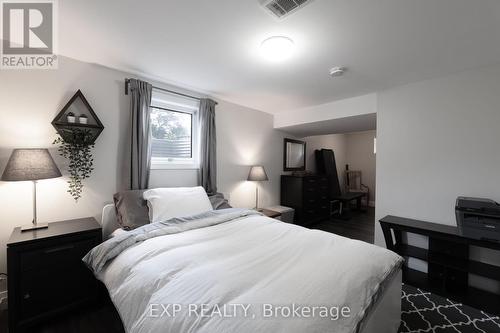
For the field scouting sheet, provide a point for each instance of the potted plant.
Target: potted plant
(70, 117)
(83, 119)
(76, 146)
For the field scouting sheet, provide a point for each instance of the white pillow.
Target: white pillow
(166, 203)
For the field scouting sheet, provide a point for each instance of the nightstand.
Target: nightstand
(271, 213)
(46, 274)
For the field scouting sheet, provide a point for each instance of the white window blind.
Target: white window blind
(174, 130)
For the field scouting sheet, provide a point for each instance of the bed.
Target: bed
(253, 261)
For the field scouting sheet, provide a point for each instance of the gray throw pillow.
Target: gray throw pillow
(218, 202)
(131, 209)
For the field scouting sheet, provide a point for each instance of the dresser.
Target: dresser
(308, 195)
(46, 274)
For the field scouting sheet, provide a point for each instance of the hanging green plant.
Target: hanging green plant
(76, 146)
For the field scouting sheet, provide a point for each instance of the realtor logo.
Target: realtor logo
(28, 34)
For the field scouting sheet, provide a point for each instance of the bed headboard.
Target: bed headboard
(109, 222)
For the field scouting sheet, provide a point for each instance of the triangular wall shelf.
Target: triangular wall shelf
(76, 129)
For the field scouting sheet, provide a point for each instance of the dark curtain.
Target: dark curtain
(140, 152)
(208, 146)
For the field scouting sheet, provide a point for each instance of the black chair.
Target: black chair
(325, 164)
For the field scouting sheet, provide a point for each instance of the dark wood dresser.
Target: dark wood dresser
(308, 195)
(449, 263)
(46, 274)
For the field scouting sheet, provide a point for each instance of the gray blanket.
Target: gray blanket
(97, 258)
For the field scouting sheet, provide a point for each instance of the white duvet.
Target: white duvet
(253, 274)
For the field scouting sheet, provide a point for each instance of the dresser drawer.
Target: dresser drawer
(311, 202)
(310, 191)
(310, 213)
(66, 251)
(323, 198)
(323, 188)
(311, 181)
(50, 289)
(324, 209)
(323, 180)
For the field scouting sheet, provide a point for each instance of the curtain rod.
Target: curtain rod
(127, 84)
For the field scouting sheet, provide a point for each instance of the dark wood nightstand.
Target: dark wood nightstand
(46, 272)
(271, 213)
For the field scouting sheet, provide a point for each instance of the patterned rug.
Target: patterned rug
(423, 311)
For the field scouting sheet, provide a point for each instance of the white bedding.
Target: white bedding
(253, 262)
(168, 202)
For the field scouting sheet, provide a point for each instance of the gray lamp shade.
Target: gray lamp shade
(257, 173)
(30, 164)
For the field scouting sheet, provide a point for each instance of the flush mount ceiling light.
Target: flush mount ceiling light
(277, 48)
(337, 71)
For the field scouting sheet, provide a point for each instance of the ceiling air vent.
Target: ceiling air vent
(282, 8)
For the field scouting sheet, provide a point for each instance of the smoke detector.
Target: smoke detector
(337, 71)
(282, 8)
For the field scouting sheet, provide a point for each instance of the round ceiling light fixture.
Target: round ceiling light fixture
(337, 71)
(277, 48)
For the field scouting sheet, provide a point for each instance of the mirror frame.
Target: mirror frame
(303, 143)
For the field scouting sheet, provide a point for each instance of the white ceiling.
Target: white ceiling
(212, 45)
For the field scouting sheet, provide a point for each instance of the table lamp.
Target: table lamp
(257, 174)
(31, 165)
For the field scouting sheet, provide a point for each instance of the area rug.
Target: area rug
(423, 311)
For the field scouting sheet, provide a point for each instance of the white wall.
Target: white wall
(355, 149)
(360, 156)
(246, 137)
(336, 142)
(349, 107)
(173, 178)
(437, 140)
(29, 100)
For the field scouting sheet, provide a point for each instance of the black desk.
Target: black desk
(448, 261)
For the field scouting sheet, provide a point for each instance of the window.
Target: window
(174, 131)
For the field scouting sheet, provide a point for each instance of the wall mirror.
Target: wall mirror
(294, 155)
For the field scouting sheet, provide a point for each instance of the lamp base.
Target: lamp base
(34, 226)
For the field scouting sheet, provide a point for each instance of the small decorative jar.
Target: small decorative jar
(83, 119)
(71, 117)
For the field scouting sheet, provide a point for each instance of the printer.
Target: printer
(478, 218)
